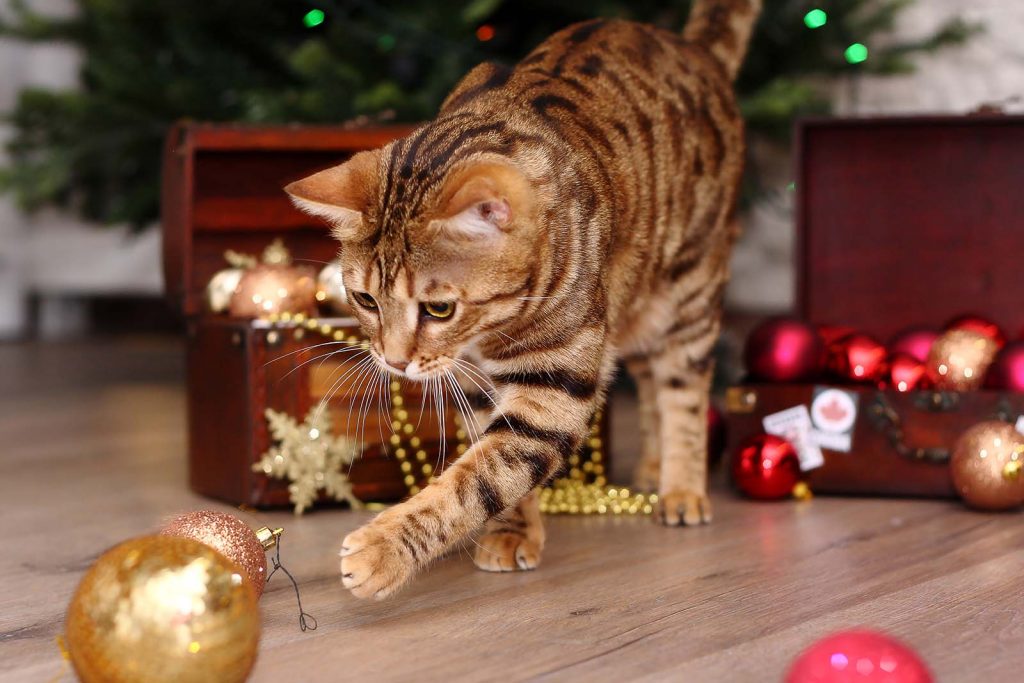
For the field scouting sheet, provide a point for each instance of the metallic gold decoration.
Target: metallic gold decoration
(163, 609)
(267, 289)
(221, 289)
(959, 359)
(309, 458)
(986, 466)
(232, 538)
(276, 254)
(802, 491)
(330, 289)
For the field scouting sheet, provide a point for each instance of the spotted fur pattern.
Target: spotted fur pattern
(576, 211)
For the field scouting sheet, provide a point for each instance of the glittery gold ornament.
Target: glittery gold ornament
(266, 289)
(232, 538)
(330, 289)
(959, 359)
(163, 609)
(309, 457)
(986, 466)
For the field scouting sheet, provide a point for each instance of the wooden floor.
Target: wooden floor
(92, 448)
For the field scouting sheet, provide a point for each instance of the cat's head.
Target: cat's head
(431, 262)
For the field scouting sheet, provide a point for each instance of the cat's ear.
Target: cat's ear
(340, 195)
(483, 201)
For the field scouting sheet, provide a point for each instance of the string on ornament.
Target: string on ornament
(304, 617)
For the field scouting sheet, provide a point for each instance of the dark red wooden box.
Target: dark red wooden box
(901, 222)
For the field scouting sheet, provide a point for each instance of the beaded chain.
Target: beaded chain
(584, 490)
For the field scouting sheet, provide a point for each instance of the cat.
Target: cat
(555, 219)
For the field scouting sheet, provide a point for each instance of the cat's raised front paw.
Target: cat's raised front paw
(684, 507)
(503, 551)
(372, 564)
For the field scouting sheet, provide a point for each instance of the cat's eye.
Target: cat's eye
(365, 300)
(438, 309)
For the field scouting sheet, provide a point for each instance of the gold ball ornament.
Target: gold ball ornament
(269, 289)
(232, 538)
(163, 609)
(986, 466)
(959, 359)
(221, 289)
(330, 289)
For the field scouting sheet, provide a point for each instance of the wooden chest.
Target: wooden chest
(902, 222)
(222, 190)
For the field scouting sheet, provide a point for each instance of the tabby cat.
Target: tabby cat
(555, 218)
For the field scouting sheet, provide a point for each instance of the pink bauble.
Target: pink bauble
(905, 373)
(1007, 371)
(784, 350)
(859, 656)
(916, 342)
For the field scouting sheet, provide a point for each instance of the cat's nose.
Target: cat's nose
(397, 364)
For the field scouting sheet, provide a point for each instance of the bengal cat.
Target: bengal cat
(555, 218)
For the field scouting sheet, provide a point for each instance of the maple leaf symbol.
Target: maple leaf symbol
(833, 412)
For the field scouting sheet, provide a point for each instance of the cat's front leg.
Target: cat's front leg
(540, 418)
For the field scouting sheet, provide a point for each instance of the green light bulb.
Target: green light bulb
(856, 53)
(816, 18)
(314, 17)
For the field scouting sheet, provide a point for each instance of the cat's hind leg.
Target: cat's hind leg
(647, 472)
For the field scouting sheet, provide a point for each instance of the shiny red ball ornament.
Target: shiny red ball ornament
(830, 333)
(916, 342)
(766, 467)
(905, 373)
(857, 358)
(1007, 370)
(859, 656)
(784, 349)
(983, 326)
(716, 435)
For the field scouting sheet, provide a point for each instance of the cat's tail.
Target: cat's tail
(724, 28)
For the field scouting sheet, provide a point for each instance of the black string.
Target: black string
(303, 616)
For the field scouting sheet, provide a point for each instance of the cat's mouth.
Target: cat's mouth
(416, 370)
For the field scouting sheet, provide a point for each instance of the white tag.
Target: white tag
(833, 414)
(1020, 424)
(794, 425)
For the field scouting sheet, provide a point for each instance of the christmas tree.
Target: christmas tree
(148, 63)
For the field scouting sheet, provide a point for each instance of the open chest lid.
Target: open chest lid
(222, 189)
(910, 221)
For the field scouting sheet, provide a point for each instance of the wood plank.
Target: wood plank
(95, 453)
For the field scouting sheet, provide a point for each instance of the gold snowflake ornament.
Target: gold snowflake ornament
(309, 458)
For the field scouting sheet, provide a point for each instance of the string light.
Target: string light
(485, 33)
(314, 17)
(856, 53)
(816, 18)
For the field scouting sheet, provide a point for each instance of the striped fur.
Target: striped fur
(577, 210)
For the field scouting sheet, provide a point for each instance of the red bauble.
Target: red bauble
(858, 657)
(784, 350)
(975, 323)
(766, 467)
(830, 333)
(1007, 371)
(916, 342)
(905, 373)
(716, 435)
(857, 358)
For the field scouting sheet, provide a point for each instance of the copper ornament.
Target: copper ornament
(986, 466)
(229, 536)
(163, 609)
(267, 289)
(959, 359)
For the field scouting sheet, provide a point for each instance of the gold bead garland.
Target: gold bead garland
(584, 491)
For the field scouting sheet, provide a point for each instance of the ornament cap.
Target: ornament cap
(268, 537)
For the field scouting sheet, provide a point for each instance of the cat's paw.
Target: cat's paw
(684, 507)
(503, 551)
(372, 563)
